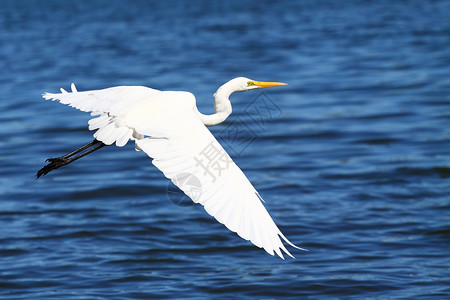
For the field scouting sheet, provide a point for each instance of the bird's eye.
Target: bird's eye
(250, 83)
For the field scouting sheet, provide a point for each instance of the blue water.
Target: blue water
(352, 158)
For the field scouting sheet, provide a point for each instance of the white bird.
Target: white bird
(169, 128)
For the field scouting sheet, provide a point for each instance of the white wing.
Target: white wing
(188, 154)
(168, 130)
(112, 104)
(115, 101)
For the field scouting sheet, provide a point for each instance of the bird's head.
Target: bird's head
(244, 84)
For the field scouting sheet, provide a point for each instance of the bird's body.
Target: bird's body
(169, 128)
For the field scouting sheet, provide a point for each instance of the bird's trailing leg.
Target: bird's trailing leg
(55, 163)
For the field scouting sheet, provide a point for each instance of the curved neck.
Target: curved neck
(222, 106)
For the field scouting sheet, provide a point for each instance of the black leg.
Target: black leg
(90, 144)
(55, 163)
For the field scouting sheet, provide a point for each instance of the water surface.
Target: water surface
(352, 160)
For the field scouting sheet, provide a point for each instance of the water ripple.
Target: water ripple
(352, 161)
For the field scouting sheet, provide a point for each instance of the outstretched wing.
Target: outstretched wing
(115, 101)
(166, 127)
(112, 104)
(188, 154)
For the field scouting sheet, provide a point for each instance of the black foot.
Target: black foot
(54, 163)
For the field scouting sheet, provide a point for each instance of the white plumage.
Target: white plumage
(169, 128)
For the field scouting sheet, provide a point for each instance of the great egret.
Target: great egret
(169, 128)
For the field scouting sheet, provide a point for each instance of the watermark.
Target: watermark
(237, 136)
(243, 131)
(213, 160)
(262, 110)
(184, 189)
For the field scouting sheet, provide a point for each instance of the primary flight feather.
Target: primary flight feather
(169, 128)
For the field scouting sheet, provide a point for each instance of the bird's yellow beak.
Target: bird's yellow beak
(262, 84)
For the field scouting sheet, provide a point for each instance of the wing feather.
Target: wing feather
(226, 193)
(113, 100)
(165, 126)
(112, 104)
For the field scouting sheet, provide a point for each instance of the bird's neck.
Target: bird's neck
(222, 107)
